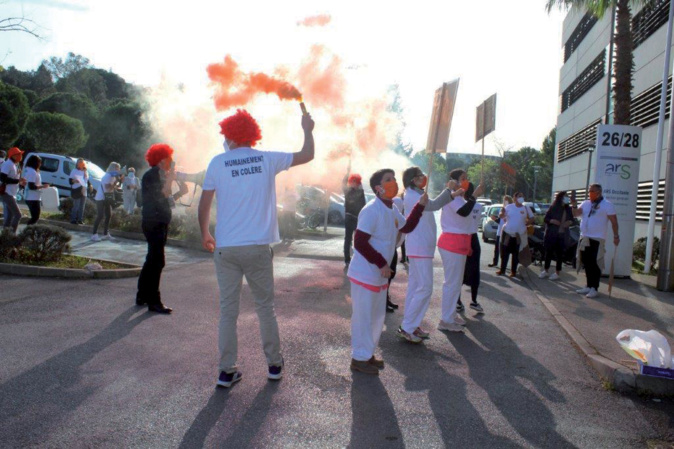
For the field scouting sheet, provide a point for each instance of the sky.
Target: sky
(509, 48)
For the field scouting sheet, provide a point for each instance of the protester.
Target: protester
(379, 223)
(517, 217)
(10, 180)
(156, 217)
(558, 219)
(420, 245)
(507, 199)
(471, 273)
(79, 187)
(243, 179)
(105, 199)
(354, 201)
(454, 245)
(34, 186)
(391, 306)
(130, 187)
(596, 213)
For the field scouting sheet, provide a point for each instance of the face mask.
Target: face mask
(131, 174)
(390, 190)
(423, 182)
(567, 200)
(594, 196)
(520, 200)
(465, 184)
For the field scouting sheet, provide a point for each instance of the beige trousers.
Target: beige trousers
(231, 265)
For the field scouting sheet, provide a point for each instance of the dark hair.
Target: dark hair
(516, 194)
(3, 154)
(559, 197)
(377, 176)
(456, 173)
(469, 191)
(34, 162)
(409, 175)
(597, 186)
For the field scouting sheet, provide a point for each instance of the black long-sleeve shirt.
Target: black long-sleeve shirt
(156, 206)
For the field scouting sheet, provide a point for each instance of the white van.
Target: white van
(56, 168)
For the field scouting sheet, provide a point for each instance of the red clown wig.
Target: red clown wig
(157, 153)
(355, 179)
(241, 128)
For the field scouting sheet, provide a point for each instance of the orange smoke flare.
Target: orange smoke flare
(236, 88)
(315, 21)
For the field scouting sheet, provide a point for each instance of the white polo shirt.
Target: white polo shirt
(595, 226)
(244, 181)
(382, 224)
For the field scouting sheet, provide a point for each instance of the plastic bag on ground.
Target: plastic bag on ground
(93, 266)
(650, 347)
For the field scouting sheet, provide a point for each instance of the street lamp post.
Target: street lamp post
(536, 169)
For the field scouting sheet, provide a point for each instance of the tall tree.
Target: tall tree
(623, 66)
(53, 133)
(14, 111)
(60, 68)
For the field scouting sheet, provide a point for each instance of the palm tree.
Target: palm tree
(624, 58)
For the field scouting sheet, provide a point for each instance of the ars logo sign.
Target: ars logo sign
(622, 170)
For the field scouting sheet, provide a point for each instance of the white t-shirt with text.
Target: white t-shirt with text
(382, 223)
(244, 181)
(9, 168)
(596, 225)
(32, 176)
(452, 222)
(516, 219)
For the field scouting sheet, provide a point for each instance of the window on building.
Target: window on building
(578, 35)
(644, 200)
(579, 142)
(646, 105)
(647, 21)
(584, 82)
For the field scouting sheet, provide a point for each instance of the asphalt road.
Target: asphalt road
(84, 367)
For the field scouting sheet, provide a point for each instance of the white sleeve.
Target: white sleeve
(367, 220)
(279, 161)
(29, 176)
(610, 209)
(457, 203)
(401, 218)
(209, 179)
(5, 168)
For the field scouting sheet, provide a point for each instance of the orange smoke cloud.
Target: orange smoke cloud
(322, 79)
(315, 21)
(236, 88)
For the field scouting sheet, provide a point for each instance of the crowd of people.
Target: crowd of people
(242, 179)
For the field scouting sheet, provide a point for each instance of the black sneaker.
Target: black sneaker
(228, 379)
(477, 307)
(460, 308)
(390, 307)
(275, 372)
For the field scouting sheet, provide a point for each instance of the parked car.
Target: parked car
(489, 226)
(56, 168)
(313, 198)
(534, 207)
(544, 207)
(484, 201)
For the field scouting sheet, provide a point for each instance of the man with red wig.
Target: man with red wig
(354, 201)
(243, 179)
(157, 202)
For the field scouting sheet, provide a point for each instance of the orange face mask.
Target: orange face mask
(594, 196)
(390, 190)
(465, 184)
(424, 182)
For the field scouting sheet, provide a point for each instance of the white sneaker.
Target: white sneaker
(449, 327)
(592, 293)
(543, 275)
(459, 320)
(554, 277)
(583, 291)
(95, 238)
(107, 237)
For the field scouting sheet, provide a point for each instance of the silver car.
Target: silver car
(489, 226)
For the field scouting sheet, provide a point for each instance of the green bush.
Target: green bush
(66, 207)
(639, 251)
(43, 243)
(9, 244)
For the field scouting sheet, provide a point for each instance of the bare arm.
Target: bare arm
(207, 240)
(614, 224)
(306, 154)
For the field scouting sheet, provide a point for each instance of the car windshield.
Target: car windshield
(94, 170)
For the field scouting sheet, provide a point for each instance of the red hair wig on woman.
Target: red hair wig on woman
(355, 179)
(241, 128)
(157, 153)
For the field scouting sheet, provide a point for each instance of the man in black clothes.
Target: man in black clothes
(157, 202)
(354, 201)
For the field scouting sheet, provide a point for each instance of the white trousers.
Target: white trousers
(419, 291)
(367, 321)
(454, 265)
(129, 200)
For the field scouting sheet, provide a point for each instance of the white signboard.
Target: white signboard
(617, 170)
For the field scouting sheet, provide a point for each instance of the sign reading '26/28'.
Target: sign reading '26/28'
(617, 170)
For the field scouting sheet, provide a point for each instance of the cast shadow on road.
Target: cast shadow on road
(244, 429)
(497, 370)
(35, 400)
(373, 420)
(459, 421)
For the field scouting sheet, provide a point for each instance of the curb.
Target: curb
(618, 376)
(68, 273)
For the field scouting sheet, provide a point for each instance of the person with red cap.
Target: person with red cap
(354, 201)
(243, 180)
(10, 180)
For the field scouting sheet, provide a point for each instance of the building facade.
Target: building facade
(585, 99)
